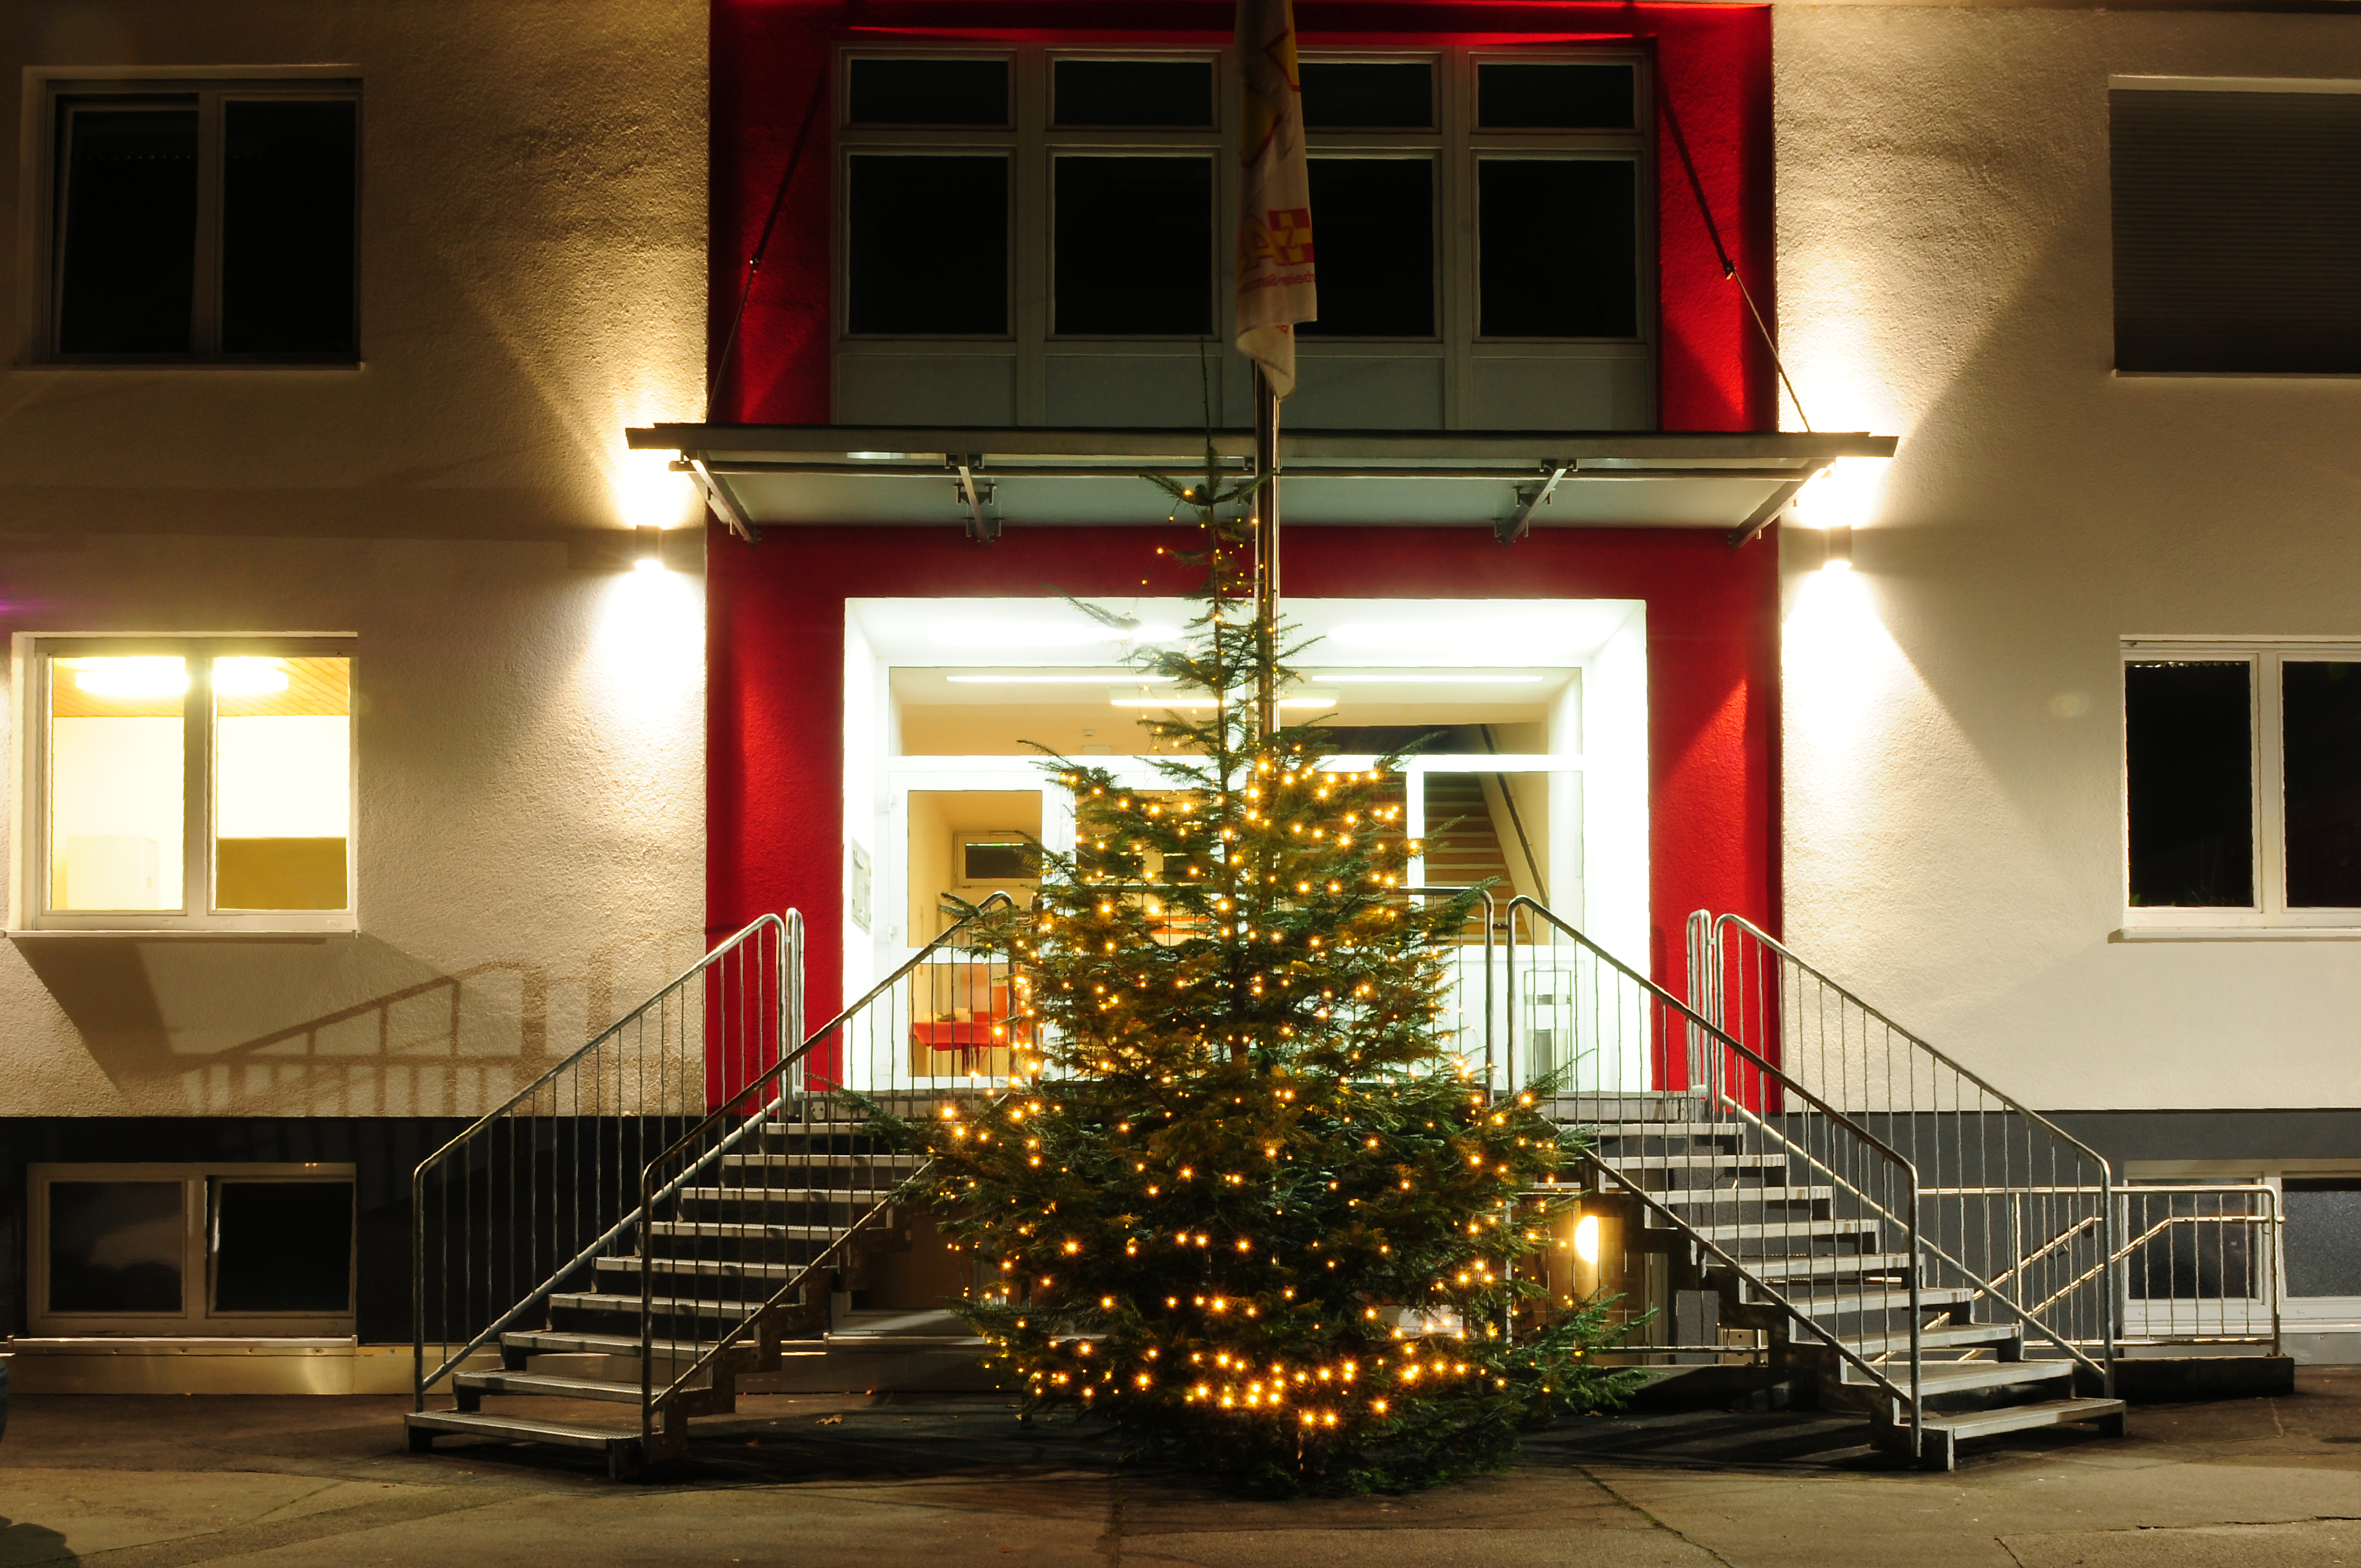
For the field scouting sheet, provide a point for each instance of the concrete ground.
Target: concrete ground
(143, 1482)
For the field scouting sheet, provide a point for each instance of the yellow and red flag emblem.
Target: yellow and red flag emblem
(1276, 284)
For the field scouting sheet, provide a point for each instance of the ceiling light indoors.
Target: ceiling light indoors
(249, 678)
(1082, 680)
(1046, 634)
(131, 677)
(1424, 678)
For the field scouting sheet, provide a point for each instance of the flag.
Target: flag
(1275, 284)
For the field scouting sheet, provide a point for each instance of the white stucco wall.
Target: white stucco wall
(1953, 776)
(528, 721)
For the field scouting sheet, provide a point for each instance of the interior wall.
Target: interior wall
(1953, 770)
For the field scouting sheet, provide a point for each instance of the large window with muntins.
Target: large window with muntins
(1036, 236)
(194, 783)
(2242, 768)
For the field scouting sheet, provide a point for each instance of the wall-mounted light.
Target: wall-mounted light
(647, 552)
(1840, 546)
(1585, 1238)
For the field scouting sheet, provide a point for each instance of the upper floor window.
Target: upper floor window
(2237, 225)
(1041, 235)
(192, 783)
(2243, 785)
(197, 221)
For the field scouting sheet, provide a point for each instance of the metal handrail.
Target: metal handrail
(650, 1398)
(1959, 1137)
(1969, 1073)
(2271, 1222)
(788, 930)
(1712, 1035)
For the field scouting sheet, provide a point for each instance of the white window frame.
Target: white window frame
(196, 1315)
(2270, 914)
(33, 656)
(1454, 144)
(41, 173)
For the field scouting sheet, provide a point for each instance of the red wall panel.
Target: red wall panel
(775, 828)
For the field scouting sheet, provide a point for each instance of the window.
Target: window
(2243, 785)
(2237, 225)
(190, 783)
(1038, 236)
(177, 1249)
(203, 221)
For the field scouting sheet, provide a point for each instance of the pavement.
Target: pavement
(155, 1482)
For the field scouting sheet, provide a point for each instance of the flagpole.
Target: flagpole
(1266, 544)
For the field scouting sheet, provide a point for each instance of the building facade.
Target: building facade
(878, 318)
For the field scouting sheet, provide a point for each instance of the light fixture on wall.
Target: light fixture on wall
(1585, 1238)
(1840, 548)
(647, 552)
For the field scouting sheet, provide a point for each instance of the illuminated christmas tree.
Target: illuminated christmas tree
(1251, 1207)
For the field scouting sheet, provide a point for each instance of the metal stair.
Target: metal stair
(777, 1192)
(627, 1235)
(1915, 1246)
(1785, 1257)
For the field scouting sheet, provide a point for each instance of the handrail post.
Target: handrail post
(1918, 1327)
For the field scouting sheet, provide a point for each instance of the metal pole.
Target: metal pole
(1265, 534)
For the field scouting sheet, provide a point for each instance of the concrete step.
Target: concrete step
(731, 1230)
(663, 1306)
(716, 1267)
(1941, 1377)
(863, 1195)
(545, 1384)
(621, 1445)
(1945, 1431)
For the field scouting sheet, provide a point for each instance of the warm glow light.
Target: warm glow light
(1047, 680)
(249, 677)
(1843, 495)
(1586, 1239)
(133, 677)
(1046, 634)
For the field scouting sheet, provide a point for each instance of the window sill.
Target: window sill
(167, 933)
(2236, 934)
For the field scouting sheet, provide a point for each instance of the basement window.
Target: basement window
(2241, 772)
(192, 1249)
(191, 222)
(189, 784)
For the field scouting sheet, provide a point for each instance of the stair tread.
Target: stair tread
(789, 1194)
(1885, 1301)
(546, 1342)
(724, 1267)
(1666, 1129)
(525, 1428)
(1843, 1262)
(2019, 1417)
(1950, 1377)
(682, 1306)
(1782, 1229)
(901, 1161)
(550, 1385)
(1679, 1197)
(728, 1228)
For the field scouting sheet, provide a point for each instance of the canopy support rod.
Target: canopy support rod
(972, 495)
(724, 504)
(1530, 497)
(1771, 507)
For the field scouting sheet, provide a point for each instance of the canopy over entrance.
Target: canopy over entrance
(765, 476)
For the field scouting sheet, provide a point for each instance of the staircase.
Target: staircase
(688, 1256)
(1915, 1247)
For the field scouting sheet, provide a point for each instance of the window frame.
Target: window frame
(2270, 914)
(196, 1315)
(1454, 144)
(35, 655)
(44, 173)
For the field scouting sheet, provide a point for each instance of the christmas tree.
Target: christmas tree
(1248, 1206)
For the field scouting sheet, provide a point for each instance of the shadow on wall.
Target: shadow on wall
(170, 1025)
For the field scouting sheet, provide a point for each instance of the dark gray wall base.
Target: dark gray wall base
(383, 1150)
(2172, 1380)
(2123, 1136)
